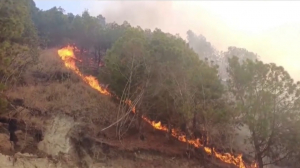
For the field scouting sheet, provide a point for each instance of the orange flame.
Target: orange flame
(67, 55)
(225, 157)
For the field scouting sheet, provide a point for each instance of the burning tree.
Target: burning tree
(268, 101)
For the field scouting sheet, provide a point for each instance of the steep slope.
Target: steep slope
(59, 118)
(51, 101)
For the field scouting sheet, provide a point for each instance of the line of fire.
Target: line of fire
(68, 57)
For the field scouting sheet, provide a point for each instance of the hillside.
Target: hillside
(77, 91)
(59, 118)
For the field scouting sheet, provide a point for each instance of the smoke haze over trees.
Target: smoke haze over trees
(274, 36)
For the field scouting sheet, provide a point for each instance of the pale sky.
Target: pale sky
(269, 28)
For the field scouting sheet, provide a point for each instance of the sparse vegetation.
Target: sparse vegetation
(64, 93)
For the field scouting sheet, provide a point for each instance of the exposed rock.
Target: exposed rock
(55, 138)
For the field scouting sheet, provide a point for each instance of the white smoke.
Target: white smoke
(269, 29)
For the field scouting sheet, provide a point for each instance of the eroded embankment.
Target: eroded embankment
(65, 144)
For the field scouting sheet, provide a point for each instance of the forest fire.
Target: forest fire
(68, 56)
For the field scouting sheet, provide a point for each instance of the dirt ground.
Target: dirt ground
(129, 152)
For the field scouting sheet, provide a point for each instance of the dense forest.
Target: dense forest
(186, 84)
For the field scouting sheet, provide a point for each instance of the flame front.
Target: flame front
(68, 57)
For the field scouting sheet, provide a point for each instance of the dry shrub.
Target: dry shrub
(44, 91)
(49, 68)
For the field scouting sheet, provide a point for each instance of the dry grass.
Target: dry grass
(52, 88)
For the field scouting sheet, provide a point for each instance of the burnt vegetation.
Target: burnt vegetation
(187, 86)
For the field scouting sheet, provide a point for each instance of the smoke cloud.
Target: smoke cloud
(270, 29)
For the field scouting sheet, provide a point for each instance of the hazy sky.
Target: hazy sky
(269, 28)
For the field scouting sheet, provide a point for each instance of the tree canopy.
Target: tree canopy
(19, 41)
(268, 101)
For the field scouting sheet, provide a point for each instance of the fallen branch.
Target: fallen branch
(120, 119)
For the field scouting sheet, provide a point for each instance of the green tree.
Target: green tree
(52, 26)
(174, 82)
(241, 53)
(268, 102)
(169, 57)
(18, 44)
(125, 63)
(126, 69)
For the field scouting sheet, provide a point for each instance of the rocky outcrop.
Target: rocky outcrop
(55, 138)
(55, 144)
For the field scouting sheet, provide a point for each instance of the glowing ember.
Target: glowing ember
(67, 55)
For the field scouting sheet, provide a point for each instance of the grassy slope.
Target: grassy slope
(53, 89)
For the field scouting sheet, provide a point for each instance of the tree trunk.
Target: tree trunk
(99, 58)
(189, 135)
(194, 122)
(95, 55)
(258, 154)
(169, 133)
(170, 112)
(259, 160)
(139, 118)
